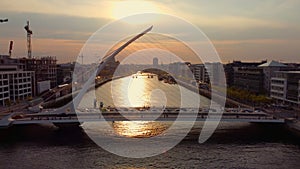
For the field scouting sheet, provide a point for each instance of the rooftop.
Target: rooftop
(272, 64)
(293, 72)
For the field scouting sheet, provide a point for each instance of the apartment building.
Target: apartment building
(285, 87)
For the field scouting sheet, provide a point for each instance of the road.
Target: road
(4, 111)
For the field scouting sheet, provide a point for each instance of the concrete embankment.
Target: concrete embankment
(293, 125)
(6, 121)
(67, 98)
(219, 97)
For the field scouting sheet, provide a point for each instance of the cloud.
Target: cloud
(259, 49)
(51, 25)
(237, 14)
(53, 34)
(236, 27)
(92, 8)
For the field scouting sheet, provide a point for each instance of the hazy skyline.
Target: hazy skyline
(239, 29)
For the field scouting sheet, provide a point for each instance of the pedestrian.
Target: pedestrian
(95, 103)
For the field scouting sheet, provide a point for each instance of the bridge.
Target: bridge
(167, 115)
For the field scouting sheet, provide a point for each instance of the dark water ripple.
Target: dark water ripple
(232, 146)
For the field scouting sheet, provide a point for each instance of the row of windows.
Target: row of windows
(3, 95)
(3, 83)
(15, 74)
(23, 77)
(3, 89)
(277, 88)
(22, 80)
(20, 75)
(20, 88)
(277, 81)
(3, 76)
(42, 62)
(276, 94)
(20, 92)
(22, 97)
(13, 77)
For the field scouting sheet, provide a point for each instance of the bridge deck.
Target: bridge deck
(166, 116)
(18, 122)
(95, 117)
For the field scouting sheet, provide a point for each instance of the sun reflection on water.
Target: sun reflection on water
(139, 129)
(141, 90)
(137, 95)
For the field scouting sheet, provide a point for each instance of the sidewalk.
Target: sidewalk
(6, 120)
(4, 111)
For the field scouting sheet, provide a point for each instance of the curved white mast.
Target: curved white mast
(70, 107)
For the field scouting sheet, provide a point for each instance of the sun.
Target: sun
(125, 8)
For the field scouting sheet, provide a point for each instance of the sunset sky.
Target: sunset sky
(249, 30)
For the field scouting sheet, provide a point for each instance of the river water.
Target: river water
(233, 145)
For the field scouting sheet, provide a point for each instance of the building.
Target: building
(285, 87)
(215, 71)
(4, 88)
(269, 69)
(181, 70)
(10, 64)
(200, 73)
(250, 79)
(43, 86)
(278, 88)
(15, 86)
(155, 62)
(229, 69)
(257, 78)
(64, 73)
(44, 68)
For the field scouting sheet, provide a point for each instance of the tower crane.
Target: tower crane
(29, 33)
(3, 20)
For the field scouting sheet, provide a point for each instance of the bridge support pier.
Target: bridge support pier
(72, 125)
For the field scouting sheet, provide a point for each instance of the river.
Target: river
(233, 145)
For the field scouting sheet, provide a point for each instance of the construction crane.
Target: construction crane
(3, 20)
(29, 33)
(11, 43)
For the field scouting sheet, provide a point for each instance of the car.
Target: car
(247, 111)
